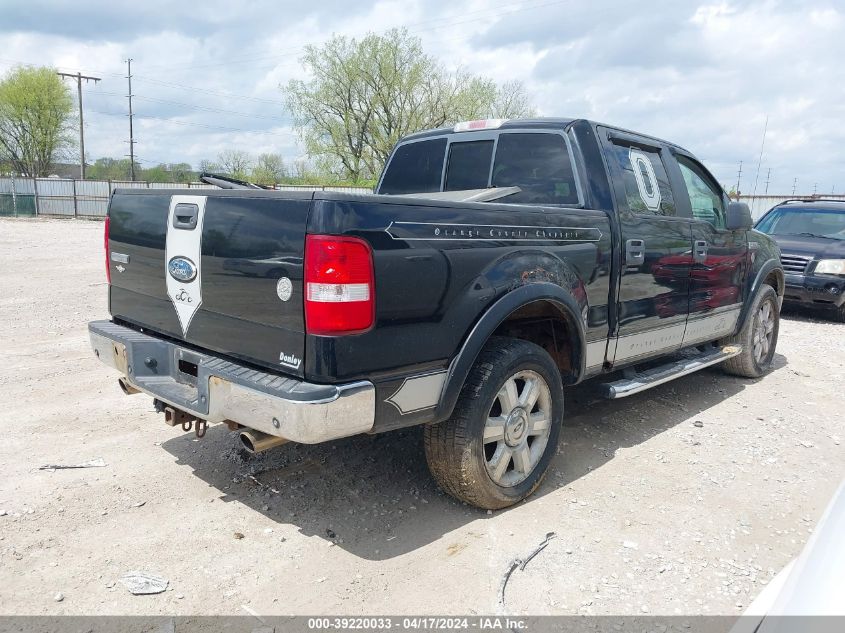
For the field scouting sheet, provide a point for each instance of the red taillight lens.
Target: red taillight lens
(339, 287)
(106, 248)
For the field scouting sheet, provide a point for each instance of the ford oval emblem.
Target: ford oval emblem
(182, 269)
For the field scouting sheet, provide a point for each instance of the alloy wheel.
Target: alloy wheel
(517, 428)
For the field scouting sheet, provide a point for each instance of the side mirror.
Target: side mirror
(739, 217)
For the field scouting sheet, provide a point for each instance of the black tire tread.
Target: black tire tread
(446, 443)
(743, 364)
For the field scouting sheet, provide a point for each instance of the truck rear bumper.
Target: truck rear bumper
(217, 390)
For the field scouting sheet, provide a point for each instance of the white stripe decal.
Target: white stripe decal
(697, 330)
(710, 327)
(595, 353)
(650, 341)
(186, 296)
(418, 392)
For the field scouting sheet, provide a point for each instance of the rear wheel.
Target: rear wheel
(496, 447)
(758, 337)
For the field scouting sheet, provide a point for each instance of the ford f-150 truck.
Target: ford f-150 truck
(498, 263)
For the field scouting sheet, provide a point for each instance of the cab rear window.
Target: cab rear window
(537, 163)
(415, 168)
(469, 165)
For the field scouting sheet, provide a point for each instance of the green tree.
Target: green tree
(36, 119)
(364, 95)
(168, 172)
(159, 173)
(111, 169)
(269, 169)
(181, 172)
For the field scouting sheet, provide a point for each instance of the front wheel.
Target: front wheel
(758, 337)
(496, 447)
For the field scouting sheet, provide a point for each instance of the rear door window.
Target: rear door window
(647, 187)
(416, 167)
(469, 165)
(539, 164)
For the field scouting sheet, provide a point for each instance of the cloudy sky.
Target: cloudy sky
(705, 75)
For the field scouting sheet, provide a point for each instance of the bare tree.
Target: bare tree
(235, 162)
(209, 166)
(512, 102)
(269, 169)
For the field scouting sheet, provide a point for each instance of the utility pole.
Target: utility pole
(815, 188)
(794, 185)
(79, 77)
(131, 136)
(738, 178)
(768, 178)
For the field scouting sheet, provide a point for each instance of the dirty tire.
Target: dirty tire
(747, 364)
(455, 448)
(839, 314)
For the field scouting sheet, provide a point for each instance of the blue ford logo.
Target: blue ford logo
(182, 269)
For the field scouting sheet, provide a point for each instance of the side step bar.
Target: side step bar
(636, 382)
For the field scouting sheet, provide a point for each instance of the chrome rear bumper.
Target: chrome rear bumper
(217, 390)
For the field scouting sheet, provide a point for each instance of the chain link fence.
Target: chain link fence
(56, 197)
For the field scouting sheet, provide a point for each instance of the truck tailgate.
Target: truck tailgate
(221, 270)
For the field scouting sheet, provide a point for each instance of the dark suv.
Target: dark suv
(811, 236)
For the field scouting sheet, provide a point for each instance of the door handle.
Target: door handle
(185, 216)
(699, 251)
(634, 252)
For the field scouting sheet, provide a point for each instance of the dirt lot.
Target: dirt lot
(686, 499)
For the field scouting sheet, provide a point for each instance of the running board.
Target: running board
(640, 381)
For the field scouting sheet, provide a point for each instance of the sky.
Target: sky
(705, 75)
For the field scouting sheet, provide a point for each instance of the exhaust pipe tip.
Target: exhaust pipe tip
(127, 387)
(258, 442)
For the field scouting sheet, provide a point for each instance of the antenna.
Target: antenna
(760, 159)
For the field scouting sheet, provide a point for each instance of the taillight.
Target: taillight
(106, 248)
(339, 286)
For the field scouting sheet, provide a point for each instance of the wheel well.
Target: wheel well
(776, 281)
(546, 325)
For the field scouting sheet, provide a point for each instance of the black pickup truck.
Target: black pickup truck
(497, 263)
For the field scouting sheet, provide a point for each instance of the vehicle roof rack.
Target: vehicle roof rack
(810, 199)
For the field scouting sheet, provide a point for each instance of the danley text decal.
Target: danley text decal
(489, 232)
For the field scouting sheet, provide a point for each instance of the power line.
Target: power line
(197, 107)
(439, 23)
(79, 77)
(188, 123)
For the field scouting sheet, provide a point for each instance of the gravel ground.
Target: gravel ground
(683, 500)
